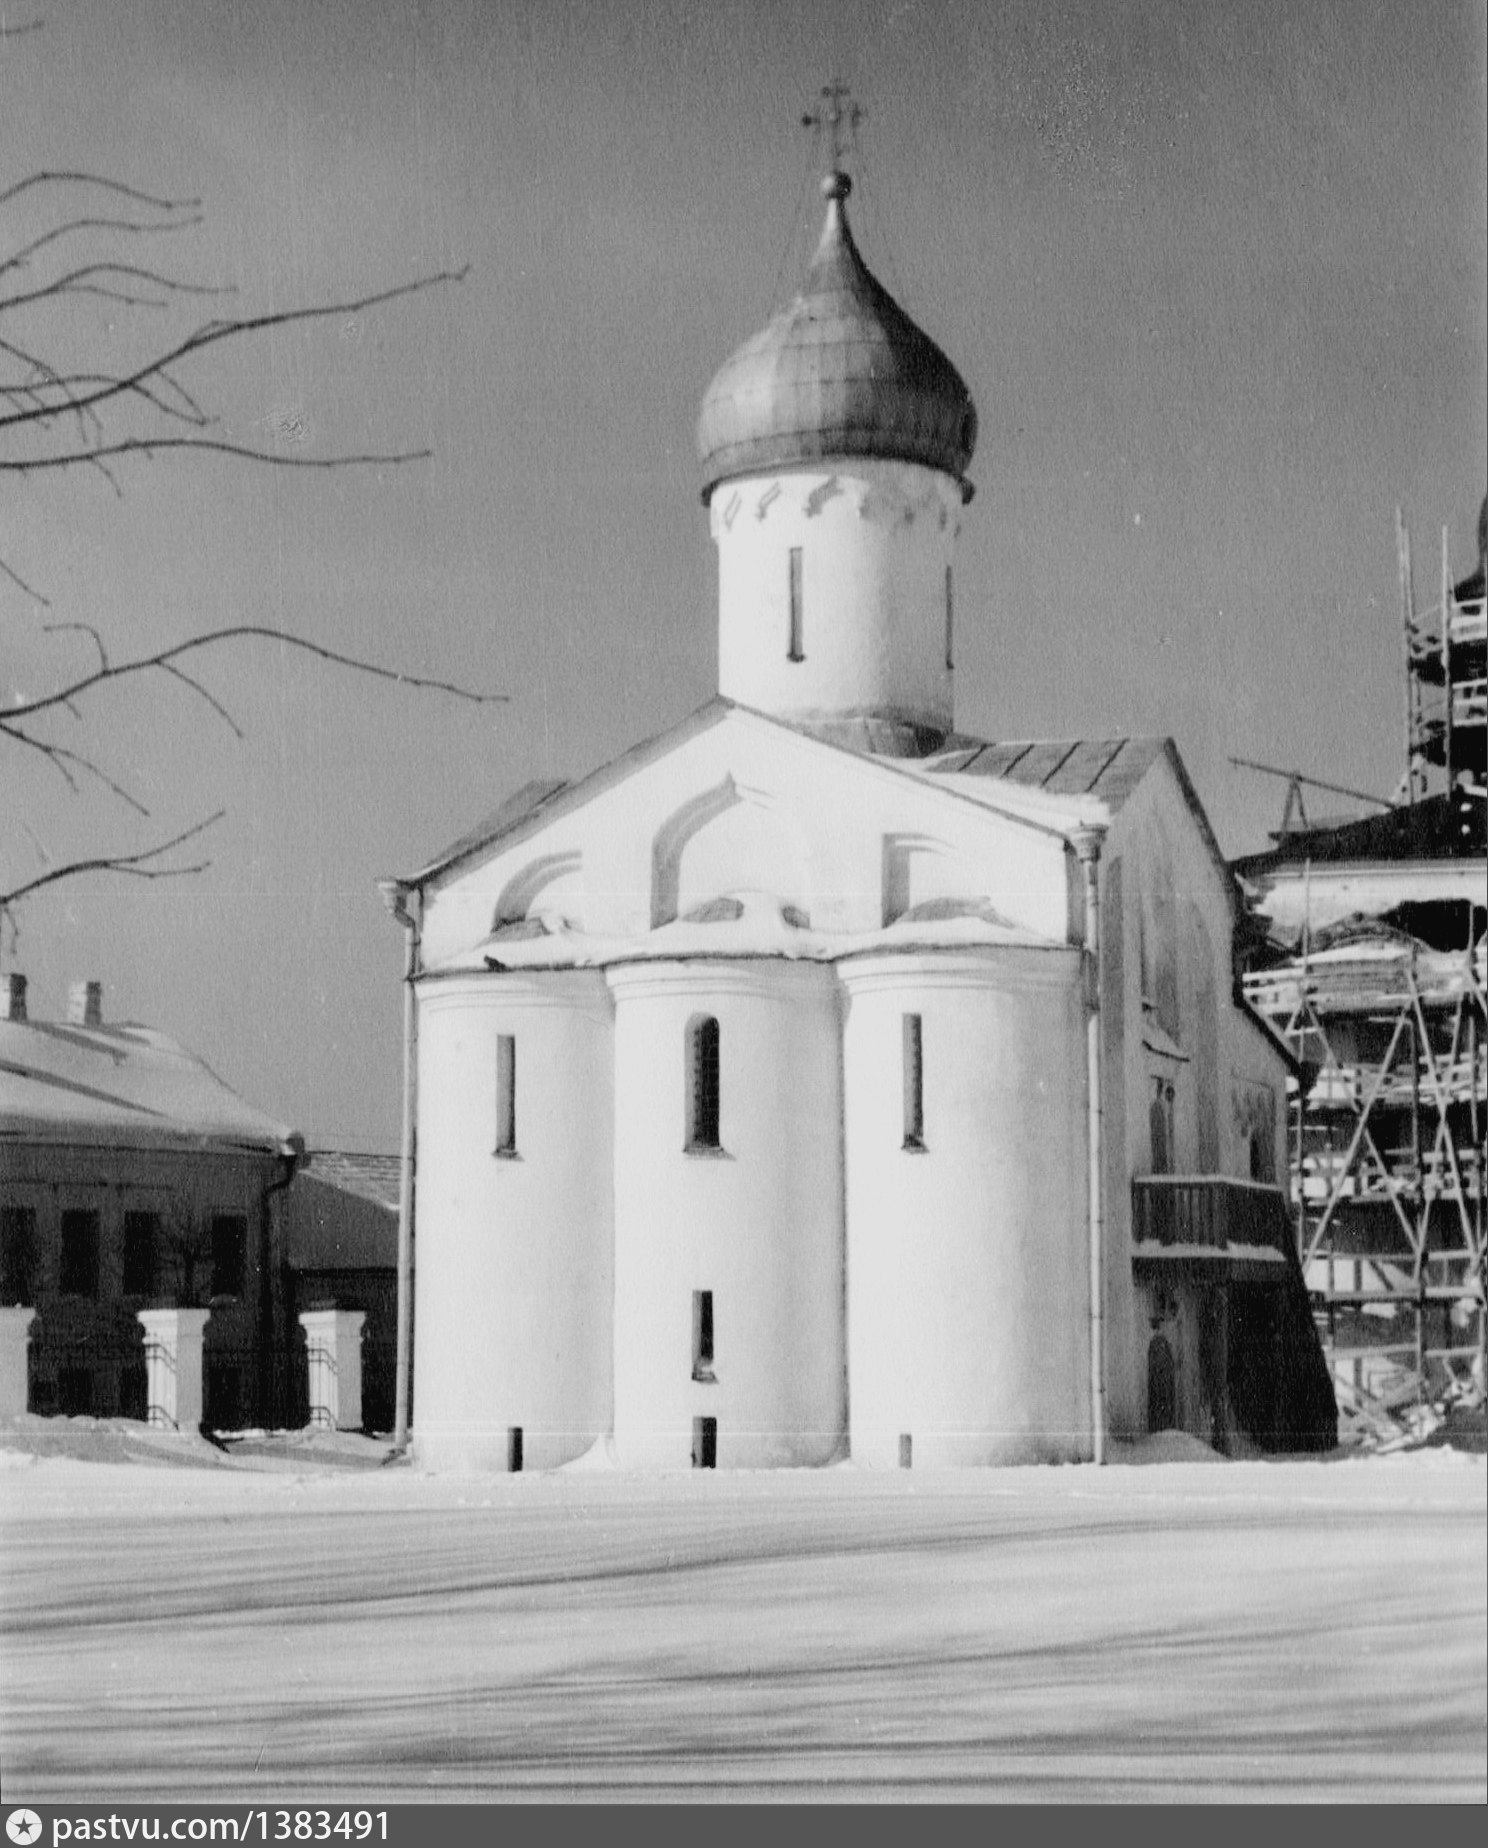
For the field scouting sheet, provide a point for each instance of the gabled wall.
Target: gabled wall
(1170, 1018)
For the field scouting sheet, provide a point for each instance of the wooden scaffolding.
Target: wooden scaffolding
(1379, 991)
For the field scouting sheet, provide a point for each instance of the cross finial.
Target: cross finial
(837, 116)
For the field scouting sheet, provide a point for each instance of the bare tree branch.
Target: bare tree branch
(73, 176)
(21, 585)
(84, 281)
(212, 333)
(131, 865)
(127, 227)
(243, 452)
(59, 757)
(64, 405)
(145, 663)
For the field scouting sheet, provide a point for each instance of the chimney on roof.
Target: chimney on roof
(85, 1004)
(15, 997)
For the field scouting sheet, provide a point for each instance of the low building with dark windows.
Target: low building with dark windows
(132, 1178)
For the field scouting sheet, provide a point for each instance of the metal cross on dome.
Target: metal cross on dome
(837, 116)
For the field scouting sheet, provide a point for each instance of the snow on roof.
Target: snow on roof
(122, 1085)
(738, 926)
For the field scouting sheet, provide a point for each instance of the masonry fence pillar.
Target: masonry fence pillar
(333, 1346)
(15, 1340)
(173, 1366)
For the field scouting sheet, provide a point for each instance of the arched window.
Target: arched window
(702, 1083)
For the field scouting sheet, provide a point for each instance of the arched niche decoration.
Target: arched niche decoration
(919, 870)
(538, 878)
(729, 838)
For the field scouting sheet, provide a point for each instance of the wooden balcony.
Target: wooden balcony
(1212, 1224)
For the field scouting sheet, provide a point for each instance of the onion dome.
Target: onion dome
(842, 371)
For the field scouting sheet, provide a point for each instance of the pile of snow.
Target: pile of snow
(129, 1440)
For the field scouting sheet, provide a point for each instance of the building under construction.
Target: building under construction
(1372, 966)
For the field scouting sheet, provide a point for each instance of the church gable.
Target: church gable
(745, 807)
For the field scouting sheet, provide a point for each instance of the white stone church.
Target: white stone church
(818, 1082)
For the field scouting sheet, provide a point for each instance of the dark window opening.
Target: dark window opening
(514, 1449)
(1160, 1119)
(705, 1443)
(229, 1254)
(702, 1335)
(506, 1094)
(914, 1083)
(796, 650)
(950, 615)
(703, 1083)
(906, 1450)
(17, 1255)
(80, 1254)
(1162, 1386)
(141, 1241)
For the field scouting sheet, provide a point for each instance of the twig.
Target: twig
(119, 670)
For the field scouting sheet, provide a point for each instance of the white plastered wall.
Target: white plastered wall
(514, 1255)
(876, 540)
(758, 1222)
(967, 1262)
(1158, 842)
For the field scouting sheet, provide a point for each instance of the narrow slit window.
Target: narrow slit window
(914, 1083)
(702, 1335)
(702, 1083)
(796, 651)
(506, 1094)
(705, 1443)
(514, 1449)
(950, 619)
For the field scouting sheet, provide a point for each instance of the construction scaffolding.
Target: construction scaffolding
(1372, 970)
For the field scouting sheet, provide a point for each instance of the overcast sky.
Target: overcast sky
(1214, 273)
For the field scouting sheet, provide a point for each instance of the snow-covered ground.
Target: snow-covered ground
(297, 1631)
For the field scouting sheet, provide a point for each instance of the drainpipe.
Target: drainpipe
(1087, 845)
(397, 899)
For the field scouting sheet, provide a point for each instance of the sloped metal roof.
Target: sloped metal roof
(377, 1178)
(122, 1086)
(1107, 768)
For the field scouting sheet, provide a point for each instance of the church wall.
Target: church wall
(875, 541)
(1179, 1024)
(514, 1251)
(967, 1261)
(757, 1222)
